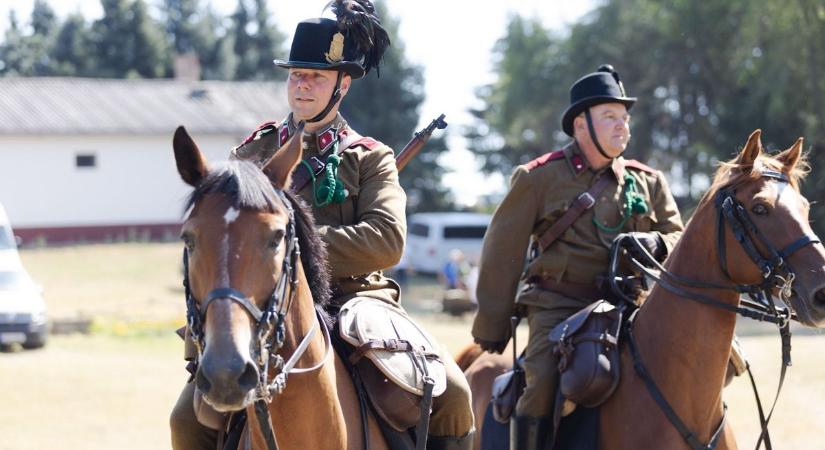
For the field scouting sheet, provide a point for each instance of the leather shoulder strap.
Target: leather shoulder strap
(582, 203)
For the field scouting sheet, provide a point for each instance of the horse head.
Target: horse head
(242, 267)
(764, 238)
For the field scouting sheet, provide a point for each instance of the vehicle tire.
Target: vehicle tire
(35, 340)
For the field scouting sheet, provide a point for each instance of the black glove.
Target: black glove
(491, 346)
(651, 241)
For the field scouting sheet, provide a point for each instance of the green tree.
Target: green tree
(386, 107)
(127, 42)
(70, 54)
(29, 54)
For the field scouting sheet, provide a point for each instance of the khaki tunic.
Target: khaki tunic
(365, 234)
(540, 193)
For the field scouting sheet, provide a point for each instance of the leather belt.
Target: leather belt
(583, 291)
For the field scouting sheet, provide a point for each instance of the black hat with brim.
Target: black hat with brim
(594, 89)
(315, 46)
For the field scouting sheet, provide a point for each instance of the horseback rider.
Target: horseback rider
(561, 277)
(352, 184)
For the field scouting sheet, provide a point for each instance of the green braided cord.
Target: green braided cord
(634, 202)
(331, 188)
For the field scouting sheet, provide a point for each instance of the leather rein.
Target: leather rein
(776, 273)
(270, 326)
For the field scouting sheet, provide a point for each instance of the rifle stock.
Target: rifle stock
(417, 142)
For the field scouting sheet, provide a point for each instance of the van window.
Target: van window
(465, 232)
(420, 229)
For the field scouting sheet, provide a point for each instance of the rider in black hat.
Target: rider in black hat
(568, 255)
(351, 181)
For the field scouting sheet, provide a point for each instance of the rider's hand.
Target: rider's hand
(652, 242)
(491, 346)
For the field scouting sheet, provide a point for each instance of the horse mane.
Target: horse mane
(246, 186)
(468, 355)
(732, 174)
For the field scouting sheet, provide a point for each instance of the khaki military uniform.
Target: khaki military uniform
(364, 235)
(540, 193)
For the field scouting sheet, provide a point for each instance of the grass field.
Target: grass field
(114, 388)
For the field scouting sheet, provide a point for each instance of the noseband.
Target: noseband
(270, 326)
(776, 273)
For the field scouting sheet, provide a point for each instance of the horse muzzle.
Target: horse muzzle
(227, 381)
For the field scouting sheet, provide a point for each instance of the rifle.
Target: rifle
(417, 142)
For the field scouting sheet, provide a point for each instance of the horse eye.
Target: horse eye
(277, 237)
(188, 242)
(759, 209)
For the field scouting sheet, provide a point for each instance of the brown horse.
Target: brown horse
(683, 331)
(252, 311)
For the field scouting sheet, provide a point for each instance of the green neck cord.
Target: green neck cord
(331, 189)
(634, 203)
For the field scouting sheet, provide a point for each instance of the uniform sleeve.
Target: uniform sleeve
(668, 220)
(502, 258)
(376, 240)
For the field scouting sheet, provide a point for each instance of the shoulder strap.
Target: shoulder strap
(301, 175)
(582, 203)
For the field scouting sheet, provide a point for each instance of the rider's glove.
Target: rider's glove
(491, 346)
(651, 241)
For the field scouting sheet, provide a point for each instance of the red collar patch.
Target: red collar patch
(544, 159)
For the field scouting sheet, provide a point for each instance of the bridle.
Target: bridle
(776, 273)
(270, 325)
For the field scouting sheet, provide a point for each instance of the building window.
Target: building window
(85, 160)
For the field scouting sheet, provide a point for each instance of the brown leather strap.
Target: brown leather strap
(301, 175)
(582, 291)
(582, 203)
(391, 345)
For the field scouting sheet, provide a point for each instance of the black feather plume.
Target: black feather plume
(359, 20)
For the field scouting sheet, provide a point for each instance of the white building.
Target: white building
(91, 159)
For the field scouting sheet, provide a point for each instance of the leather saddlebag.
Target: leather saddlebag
(396, 360)
(586, 345)
(507, 388)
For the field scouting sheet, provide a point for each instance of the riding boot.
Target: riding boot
(529, 433)
(451, 442)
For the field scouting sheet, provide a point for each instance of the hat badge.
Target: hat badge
(336, 49)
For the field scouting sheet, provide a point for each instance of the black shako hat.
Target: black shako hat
(601, 86)
(352, 43)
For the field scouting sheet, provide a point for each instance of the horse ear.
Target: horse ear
(791, 156)
(751, 151)
(280, 165)
(192, 165)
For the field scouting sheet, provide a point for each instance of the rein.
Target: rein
(776, 273)
(271, 329)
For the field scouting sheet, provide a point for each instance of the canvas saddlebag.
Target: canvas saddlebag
(396, 359)
(586, 346)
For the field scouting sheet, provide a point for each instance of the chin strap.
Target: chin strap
(593, 134)
(336, 95)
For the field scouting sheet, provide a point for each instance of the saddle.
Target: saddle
(396, 359)
(586, 345)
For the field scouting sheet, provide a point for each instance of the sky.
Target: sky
(451, 39)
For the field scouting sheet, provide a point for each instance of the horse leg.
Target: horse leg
(480, 375)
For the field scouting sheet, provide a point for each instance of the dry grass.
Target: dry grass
(114, 389)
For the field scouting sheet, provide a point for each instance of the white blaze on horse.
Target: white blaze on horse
(257, 283)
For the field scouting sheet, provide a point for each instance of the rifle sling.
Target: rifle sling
(582, 203)
(301, 176)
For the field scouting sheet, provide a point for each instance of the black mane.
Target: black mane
(246, 186)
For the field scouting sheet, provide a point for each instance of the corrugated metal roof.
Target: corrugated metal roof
(55, 105)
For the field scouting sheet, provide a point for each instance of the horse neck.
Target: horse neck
(684, 340)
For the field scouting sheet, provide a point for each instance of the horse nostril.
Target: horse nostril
(819, 299)
(249, 378)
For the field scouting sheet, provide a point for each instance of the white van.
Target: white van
(431, 236)
(22, 309)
